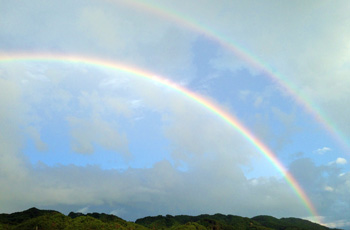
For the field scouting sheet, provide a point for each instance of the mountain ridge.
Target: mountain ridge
(37, 219)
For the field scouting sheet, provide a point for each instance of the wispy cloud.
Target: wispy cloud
(323, 150)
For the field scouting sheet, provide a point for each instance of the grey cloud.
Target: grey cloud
(306, 45)
(87, 132)
(159, 190)
(194, 133)
(35, 135)
(327, 187)
(11, 163)
(109, 29)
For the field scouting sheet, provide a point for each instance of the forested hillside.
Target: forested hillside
(35, 219)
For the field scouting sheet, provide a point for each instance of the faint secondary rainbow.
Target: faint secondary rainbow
(245, 55)
(211, 106)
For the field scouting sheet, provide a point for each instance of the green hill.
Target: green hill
(287, 223)
(217, 221)
(35, 219)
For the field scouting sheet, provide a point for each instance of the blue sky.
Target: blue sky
(76, 137)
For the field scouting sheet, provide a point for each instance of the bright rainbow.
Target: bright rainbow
(215, 109)
(227, 43)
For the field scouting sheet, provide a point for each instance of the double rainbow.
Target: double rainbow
(229, 44)
(210, 106)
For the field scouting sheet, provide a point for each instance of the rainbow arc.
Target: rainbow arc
(228, 44)
(207, 104)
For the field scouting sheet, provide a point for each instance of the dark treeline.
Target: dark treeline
(35, 219)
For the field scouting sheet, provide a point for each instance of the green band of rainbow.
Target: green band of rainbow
(215, 109)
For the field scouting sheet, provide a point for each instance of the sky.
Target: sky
(81, 136)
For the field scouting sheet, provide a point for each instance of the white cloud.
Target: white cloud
(118, 212)
(84, 209)
(338, 224)
(341, 161)
(338, 161)
(323, 150)
(328, 188)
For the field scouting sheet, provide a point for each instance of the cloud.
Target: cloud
(329, 189)
(101, 25)
(99, 29)
(157, 190)
(226, 60)
(338, 224)
(85, 133)
(327, 186)
(84, 210)
(101, 108)
(35, 135)
(338, 161)
(281, 37)
(12, 165)
(323, 150)
(341, 161)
